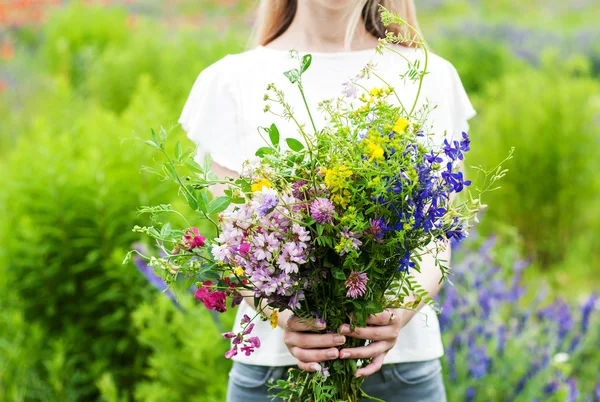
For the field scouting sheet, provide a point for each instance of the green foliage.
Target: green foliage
(172, 63)
(186, 361)
(478, 60)
(71, 191)
(77, 34)
(550, 117)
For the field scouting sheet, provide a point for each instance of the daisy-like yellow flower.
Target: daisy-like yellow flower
(400, 125)
(239, 271)
(259, 184)
(274, 318)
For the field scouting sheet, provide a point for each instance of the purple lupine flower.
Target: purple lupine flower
(469, 394)
(551, 388)
(322, 210)
(356, 284)
(573, 391)
(586, 311)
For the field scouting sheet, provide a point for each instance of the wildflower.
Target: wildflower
(274, 318)
(239, 271)
(374, 151)
(245, 319)
(212, 300)
(258, 185)
(400, 125)
(295, 300)
(322, 210)
(406, 263)
(192, 239)
(350, 89)
(233, 352)
(356, 284)
(268, 201)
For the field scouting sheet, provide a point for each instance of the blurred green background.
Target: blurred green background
(79, 81)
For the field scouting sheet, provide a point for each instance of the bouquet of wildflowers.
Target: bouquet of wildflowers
(330, 228)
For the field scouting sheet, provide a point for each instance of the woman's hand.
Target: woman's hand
(383, 330)
(308, 347)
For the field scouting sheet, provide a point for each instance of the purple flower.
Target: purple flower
(228, 335)
(254, 341)
(268, 202)
(378, 229)
(356, 284)
(350, 90)
(322, 210)
(229, 354)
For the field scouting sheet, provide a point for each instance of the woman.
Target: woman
(222, 115)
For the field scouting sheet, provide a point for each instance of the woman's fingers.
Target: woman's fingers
(374, 333)
(365, 352)
(314, 355)
(386, 317)
(372, 367)
(311, 366)
(299, 324)
(306, 340)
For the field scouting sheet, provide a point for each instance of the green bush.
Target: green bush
(479, 61)
(551, 118)
(172, 63)
(76, 35)
(71, 188)
(186, 361)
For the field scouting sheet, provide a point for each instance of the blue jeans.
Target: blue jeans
(414, 382)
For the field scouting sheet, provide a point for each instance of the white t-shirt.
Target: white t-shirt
(225, 107)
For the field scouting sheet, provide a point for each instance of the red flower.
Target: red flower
(214, 300)
(192, 239)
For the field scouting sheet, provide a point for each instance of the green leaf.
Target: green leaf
(163, 134)
(219, 205)
(192, 202)
(152, 143)
(154, 135)
(294, 144)
(293, 75)
(178, 150)
(338, 274)
(261, 152)
(170, 171)
(373, 308)
(306, 60)
(192, 164)
(202, 202)
(274, 135)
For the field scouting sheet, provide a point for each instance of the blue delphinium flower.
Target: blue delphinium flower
(405, 263)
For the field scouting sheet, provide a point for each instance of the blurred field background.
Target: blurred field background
(80, 80)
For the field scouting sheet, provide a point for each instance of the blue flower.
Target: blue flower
(406, 263)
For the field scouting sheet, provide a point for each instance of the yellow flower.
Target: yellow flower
(374, 92)
(400, 125)
(259, 184)
(274, 319)
(374, 151)
(239, 271)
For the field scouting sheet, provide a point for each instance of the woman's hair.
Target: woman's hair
(275, 16)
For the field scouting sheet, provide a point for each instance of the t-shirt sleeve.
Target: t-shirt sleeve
(210, 117)
(462, 109)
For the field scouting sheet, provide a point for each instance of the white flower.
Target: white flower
(561, 357)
